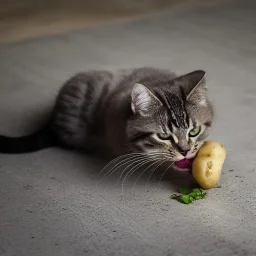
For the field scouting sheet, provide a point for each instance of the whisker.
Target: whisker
(165, 172)
(153, 172)
(123, 162)
(130, 154)
(150, 160)
(117, 158)
(136, 161)
(155, 162)
(131, 158)
(136, 167)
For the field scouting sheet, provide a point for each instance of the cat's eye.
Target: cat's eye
(195, 131)
(164, 136)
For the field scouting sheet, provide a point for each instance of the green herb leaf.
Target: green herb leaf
(174, 196)
(198, 191)
(204, 195)
(189, 195)
(186, 199)
(193, 194)
(185, 191)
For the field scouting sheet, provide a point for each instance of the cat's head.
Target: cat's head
(172, 118)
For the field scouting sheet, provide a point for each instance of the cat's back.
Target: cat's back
(123, 80)
(142, 75)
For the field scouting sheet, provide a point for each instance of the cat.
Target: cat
(142, 110)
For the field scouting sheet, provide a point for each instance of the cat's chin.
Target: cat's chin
(182, 169)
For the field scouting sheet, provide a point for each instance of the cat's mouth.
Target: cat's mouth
(185, 163)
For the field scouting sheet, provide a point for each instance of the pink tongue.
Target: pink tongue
(184, 163)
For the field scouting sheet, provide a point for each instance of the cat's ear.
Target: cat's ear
(144, 102)
(194, 85)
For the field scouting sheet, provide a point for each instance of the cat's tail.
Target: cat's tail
(41, 139)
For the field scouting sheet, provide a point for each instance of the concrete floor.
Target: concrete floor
(24, 19)
(52, 202)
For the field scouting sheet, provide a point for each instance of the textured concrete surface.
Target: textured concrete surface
(52, 203)
(25, 19)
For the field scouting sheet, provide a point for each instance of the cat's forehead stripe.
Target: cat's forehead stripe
(177, 112)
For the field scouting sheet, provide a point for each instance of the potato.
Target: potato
(207, 166)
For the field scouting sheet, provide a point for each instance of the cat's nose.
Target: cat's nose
(184, 153)
(183, 148)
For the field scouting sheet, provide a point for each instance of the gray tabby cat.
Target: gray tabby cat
(144, 110)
